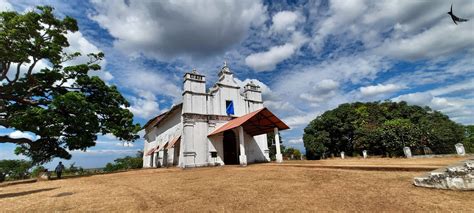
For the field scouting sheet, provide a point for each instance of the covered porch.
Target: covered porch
(253, 124)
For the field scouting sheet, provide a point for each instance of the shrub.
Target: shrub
(14, 169)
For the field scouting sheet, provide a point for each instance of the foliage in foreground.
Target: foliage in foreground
(62, 103)
(381, 128)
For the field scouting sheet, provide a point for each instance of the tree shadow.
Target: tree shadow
(16, 194)
(63, 194)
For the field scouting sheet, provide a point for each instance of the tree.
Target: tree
(292, 153)
(62, 103)
(469, 138)
(272, 146)
(126, 163)
(396, 134)
(14, 169)
(380, 128)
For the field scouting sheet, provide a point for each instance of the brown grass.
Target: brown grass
(259, 187)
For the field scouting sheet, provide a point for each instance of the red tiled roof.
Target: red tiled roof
(151, 151)
(173, 142)
(255, 123)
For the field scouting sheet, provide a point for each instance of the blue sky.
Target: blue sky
(308, 56)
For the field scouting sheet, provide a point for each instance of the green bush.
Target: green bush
(14, 169)
(125, 163)
(37, 171)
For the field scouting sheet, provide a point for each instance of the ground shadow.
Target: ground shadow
(16, 194)
(63, 194)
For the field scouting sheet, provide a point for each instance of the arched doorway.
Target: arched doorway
(230, 148)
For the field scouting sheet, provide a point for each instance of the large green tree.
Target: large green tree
(63, 103)
(382, 128)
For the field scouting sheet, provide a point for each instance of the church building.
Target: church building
(220, 126)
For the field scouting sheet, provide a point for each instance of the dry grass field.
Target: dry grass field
(258, 187)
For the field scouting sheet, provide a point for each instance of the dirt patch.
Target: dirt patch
(258, 187)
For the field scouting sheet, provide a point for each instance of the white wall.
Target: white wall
(168, 129)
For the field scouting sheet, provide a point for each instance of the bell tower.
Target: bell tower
(253, 97)
(194, 93)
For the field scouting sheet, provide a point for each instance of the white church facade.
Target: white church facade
(221, 126)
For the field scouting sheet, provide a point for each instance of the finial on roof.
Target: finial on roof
(225, 63)
(194, 70)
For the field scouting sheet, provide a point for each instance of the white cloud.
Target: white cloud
(125, 144)
(407, 30)
(440, 40)
(5, 6)
(171, 28)
(460, 109)
(20, 134)
(154, 82)
(285, 21)
(321, 91)
(146, 106)
(380, 89)
(296, 141)
(298, 120)
(466, 86)
(264, 88)
(78, 43)
(267, 61)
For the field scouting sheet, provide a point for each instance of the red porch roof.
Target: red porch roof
(255, 123)
(173, 142)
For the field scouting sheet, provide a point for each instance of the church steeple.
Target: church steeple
(225, 70)
(226, 77)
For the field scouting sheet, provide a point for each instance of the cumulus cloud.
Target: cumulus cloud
(154, 82)
(296, 141)
(267, 61)
(320, 91)
(170, 28)
(20, 134)
(431, 43)
(145, 106)
(298, 120)
(423, 30)
(380, 89)
(5, 6)
(264, 88)
(78, 43)
(285, 21)
(460, 109)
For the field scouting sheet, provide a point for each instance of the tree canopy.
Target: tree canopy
(62, 104)
(381, 128)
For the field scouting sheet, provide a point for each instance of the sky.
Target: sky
(307, 56)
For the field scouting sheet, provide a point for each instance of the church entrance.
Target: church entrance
(230, 148)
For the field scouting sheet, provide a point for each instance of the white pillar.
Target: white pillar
(187, 157)
(279, 156)
(242, 157)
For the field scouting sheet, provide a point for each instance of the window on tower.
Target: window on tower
(229, 107)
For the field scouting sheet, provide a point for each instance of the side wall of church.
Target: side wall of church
(167, 130)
